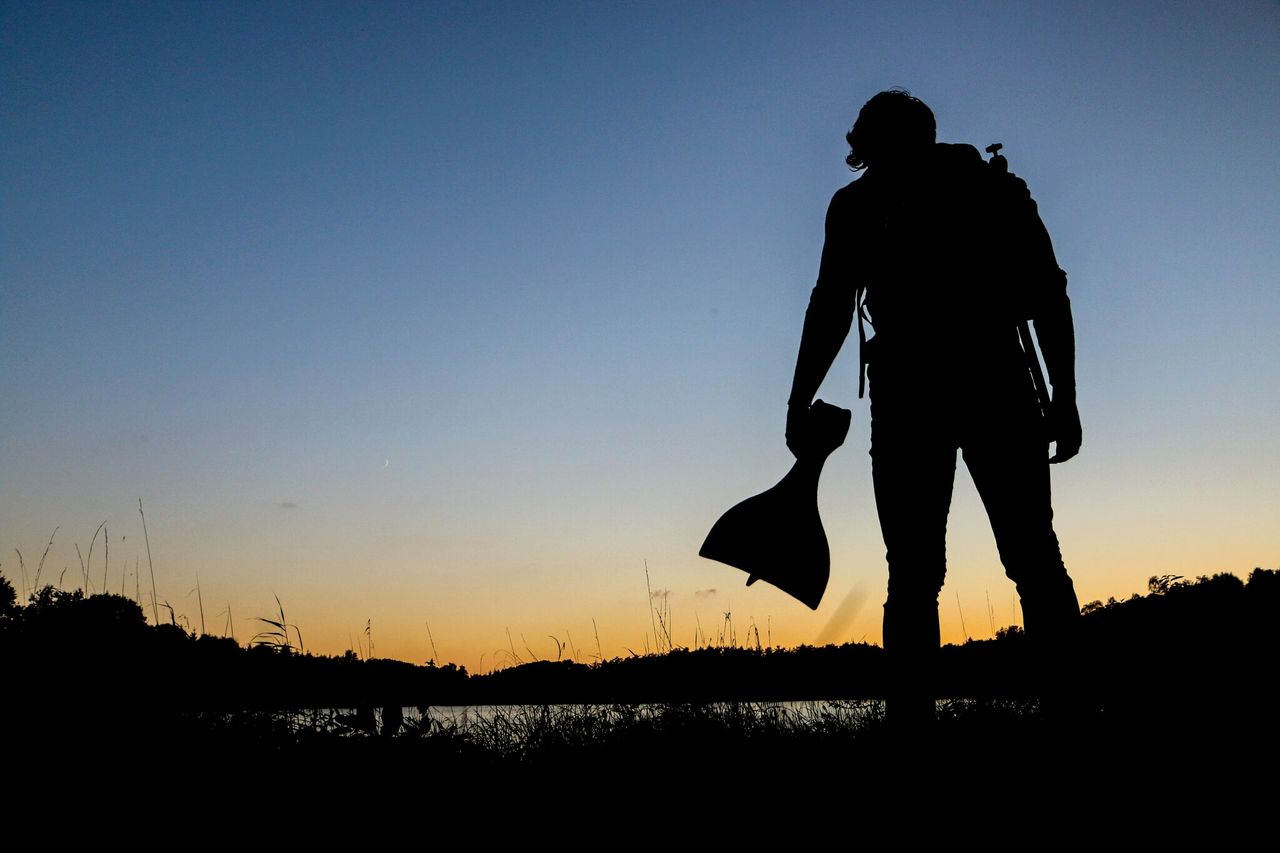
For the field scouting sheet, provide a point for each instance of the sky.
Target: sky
(457, 326)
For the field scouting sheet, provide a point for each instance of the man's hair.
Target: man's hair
(892, 120)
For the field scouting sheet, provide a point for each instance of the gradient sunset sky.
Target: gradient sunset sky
(460, 313)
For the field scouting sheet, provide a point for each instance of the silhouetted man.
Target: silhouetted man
(943, 254)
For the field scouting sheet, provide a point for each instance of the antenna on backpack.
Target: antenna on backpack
(997, 159)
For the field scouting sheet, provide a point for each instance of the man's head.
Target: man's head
(891, 127)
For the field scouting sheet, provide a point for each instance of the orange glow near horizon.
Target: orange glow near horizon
(623, 630)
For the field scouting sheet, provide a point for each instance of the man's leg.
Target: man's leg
(913, 469)
(1011, 471)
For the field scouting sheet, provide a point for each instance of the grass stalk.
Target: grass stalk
(155, 610)
(649, 599)
(89, 559)
(22, 569)
(200, 601)
(435, 655)
(40, 566)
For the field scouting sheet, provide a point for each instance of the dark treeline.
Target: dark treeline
(1212, 640)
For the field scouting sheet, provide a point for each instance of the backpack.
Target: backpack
(988, 204)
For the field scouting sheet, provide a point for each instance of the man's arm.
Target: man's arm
(1056, 332)
(1051, 314)
(826, 321)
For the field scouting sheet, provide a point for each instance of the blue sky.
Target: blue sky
(459, 313)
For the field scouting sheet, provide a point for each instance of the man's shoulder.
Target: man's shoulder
(851, 189)
(859, 188)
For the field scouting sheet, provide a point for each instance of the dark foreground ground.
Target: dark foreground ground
(1196, 753)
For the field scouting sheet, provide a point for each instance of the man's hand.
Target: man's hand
(797, 427)
(1066, 424)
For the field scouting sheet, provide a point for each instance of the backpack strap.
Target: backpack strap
(860, 308)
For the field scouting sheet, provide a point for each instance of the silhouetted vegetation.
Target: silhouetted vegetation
(1207, 635)
(1199, 653)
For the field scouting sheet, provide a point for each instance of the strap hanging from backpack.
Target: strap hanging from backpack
(860, 308)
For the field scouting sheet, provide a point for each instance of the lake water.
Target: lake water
(512, 720)
(510, 728)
